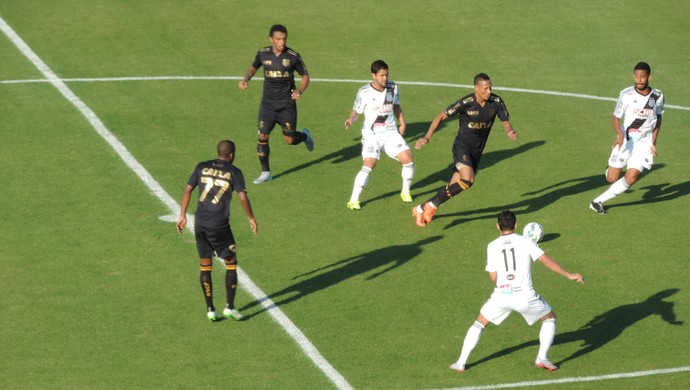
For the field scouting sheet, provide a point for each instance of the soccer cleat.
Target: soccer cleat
(406, 197)
(264, 177)
(353, 205)
(418, 216)
(232, 313)
(309, 142)
(212, 316)
(544, 363)
(457, 367)
(429, 212)
(598, 207)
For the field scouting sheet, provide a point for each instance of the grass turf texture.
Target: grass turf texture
(99, 293)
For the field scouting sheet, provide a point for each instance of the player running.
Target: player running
(640, 107)
(477, 112)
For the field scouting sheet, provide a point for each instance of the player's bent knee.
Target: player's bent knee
(550, 316)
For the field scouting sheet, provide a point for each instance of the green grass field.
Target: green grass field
(97, 291)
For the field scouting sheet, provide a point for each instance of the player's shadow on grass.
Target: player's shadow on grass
(605, 327)
(442, 176)
(336, 157)
(658, 193)
(376, 262)
(539, 199)
(350, 152)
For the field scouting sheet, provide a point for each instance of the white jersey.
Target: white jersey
(639, 113)
(377, 107)
(511, 257)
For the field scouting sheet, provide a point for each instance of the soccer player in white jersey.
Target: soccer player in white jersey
(379, 101)
(509, 262)
(640, 107)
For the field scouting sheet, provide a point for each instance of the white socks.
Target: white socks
(616, 189)
(546, 335)
(471, 340)
(407, 174)
(360, 182)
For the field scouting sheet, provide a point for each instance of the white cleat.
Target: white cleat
(545, 364)
(232, 313)
(264, 177)
(457, 367)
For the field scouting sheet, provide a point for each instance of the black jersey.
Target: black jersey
(216, 179)
(279, 78)
(476, 121)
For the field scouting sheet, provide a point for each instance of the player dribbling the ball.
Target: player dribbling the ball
(509, 264)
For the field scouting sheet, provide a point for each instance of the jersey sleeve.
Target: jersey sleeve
(301, 67)
(535, 251)
(194, 177)
(620, 106)
(490, 260)
(358, 106)
(396, 96)
(238, 182)
(660, 104)
(502, 111)
(257, 62)
(454, 108)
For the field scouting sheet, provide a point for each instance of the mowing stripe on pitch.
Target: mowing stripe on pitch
(420, 83)
(575, 379)
(292, 330)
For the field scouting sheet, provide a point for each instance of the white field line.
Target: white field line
(289, 327)
(575, 379)
(420, 83)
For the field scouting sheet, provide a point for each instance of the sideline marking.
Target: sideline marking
(420, 83)
(576, 379)
(290, 328)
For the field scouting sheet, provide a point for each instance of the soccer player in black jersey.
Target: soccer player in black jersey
(279, 101)
(477, 112)
(217, 180)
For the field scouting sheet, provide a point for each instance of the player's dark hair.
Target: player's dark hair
(481, 77)
(643, 66)
(378, 65)
(226, 148)
(278, 28)
(506, 220)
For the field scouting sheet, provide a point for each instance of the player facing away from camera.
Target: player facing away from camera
(379, 101)
(217, 180)
(640, 107)
(509, 264)
(279, 101)
(476, 112)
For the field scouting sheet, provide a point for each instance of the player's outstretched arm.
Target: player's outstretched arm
(553, 265)
(247, 206)
(432, 129)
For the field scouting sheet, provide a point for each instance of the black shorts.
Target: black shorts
(214, 240)
(282, 112)
(466, 154)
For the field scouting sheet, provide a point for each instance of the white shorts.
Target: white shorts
(636, 155)
(390, 141)
(530, 305)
